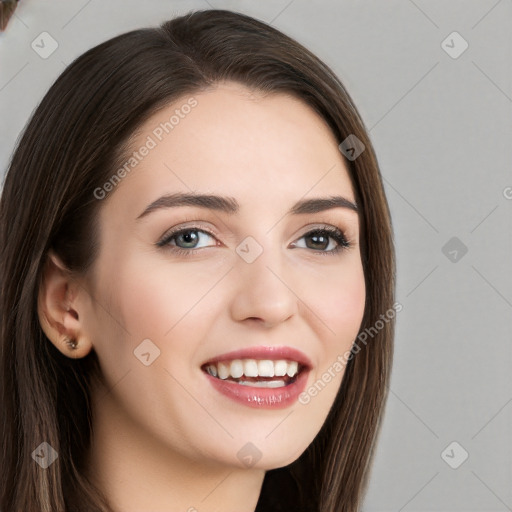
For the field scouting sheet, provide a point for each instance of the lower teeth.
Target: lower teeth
(260, 382)
(264, 383)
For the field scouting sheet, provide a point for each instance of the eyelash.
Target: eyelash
(336, 234)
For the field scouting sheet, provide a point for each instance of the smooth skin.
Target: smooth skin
(164, 439)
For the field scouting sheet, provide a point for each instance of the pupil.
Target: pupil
(316, 239)
(187, 236)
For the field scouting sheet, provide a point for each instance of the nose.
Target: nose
(264, 291)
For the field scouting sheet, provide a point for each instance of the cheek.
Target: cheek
(167, 304)
(156, 300)
(340, 304)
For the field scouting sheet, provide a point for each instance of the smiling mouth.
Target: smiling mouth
(256, 373)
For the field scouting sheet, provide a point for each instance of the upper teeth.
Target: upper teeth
(253, 368)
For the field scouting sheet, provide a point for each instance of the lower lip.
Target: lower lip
(261, 398)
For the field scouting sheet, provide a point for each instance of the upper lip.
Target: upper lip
(264, 352)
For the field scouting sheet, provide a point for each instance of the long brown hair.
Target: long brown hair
(75, 138)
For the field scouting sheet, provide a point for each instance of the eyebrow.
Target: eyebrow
(231, 206)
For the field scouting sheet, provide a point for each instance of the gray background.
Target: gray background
(443, 135)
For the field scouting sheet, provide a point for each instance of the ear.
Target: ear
(58, 308)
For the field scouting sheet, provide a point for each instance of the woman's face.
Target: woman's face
(167, 301)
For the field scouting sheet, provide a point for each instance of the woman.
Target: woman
(194, 236)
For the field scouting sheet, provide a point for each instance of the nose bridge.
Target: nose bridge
(262, 290)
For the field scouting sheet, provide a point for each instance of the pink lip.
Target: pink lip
(266, 398)
(262, 352)
(262, 398)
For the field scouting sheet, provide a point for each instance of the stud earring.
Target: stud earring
(72, 343)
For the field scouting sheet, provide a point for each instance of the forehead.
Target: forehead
(237, 142)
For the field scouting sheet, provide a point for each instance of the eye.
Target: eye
(184, 240)
(321, 239)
